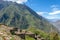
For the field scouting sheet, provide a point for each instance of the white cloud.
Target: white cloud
(54, 12)
(17, 1)
(53, 17)
(48, 16)
(41, 13)
(54, 7)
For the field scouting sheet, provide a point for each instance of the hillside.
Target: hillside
(6, 35)
(18, 34)
(12, 33)
(23, 17)
(57, 24)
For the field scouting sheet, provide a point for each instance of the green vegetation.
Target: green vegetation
(12, 38)
(29, 38)
(23, 17)
(47, 36)
(54, 36)
(38, 32)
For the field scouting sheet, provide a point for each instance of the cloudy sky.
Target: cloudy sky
(17, 1)
(49, 9)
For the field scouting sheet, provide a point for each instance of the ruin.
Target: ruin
(22, 33)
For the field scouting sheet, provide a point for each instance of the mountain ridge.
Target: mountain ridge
(23, 17)
(57, 24)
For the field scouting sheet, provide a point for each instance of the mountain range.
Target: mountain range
(57, 24)
(23, 17)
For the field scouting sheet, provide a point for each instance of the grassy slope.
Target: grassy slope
(23, 17)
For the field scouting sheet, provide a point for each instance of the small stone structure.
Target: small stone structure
(22, 33)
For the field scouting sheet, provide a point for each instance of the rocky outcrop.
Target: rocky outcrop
(23, 33)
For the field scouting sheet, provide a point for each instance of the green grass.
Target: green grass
(29, 38)
(38, 31)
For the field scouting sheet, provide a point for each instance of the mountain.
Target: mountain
(52, 20)
(23, 17)
(57, 24)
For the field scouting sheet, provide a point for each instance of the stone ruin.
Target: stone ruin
(22, 33)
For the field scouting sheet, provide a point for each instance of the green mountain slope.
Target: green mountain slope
(21, 16)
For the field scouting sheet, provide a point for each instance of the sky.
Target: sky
(50, 9)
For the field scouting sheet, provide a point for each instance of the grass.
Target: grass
(29, 38)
